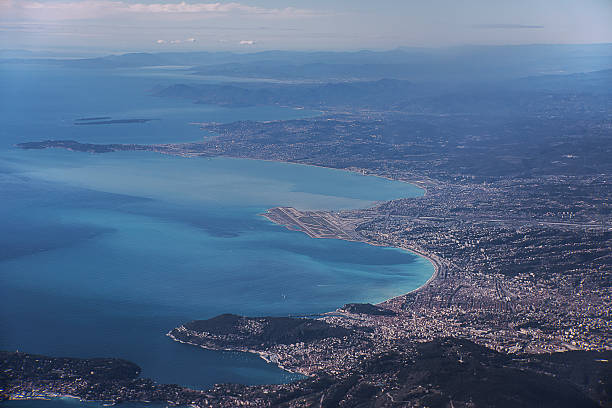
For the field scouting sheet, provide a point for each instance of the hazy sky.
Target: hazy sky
(122, 25)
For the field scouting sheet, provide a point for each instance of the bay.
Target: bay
(101, 255)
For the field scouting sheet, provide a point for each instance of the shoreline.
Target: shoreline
(429, 257)
(51, 397)
(433, 259)
(265, 356)
(421, 185)
(436, 264)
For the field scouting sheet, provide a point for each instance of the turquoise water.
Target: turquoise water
(101, 255)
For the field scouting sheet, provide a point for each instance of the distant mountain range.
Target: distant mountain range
(589, 91)
(376, 93)
(416, 64)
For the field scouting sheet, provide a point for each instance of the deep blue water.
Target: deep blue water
(101, 255)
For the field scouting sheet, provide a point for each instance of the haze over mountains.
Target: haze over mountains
(467, 63)
(496, 80)
(502, 97)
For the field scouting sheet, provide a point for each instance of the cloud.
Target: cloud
(94, 9)
(188, 40)
(247, 42)
(184, 7)
(506, 26)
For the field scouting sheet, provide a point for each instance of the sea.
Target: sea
(102, 254)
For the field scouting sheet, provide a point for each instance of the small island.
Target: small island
(107, 120)
(93, 118)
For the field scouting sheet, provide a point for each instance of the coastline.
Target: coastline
(51, 397)
(433, 259)
(265, 356)
(420, 184)
(269, 357)
(422, 190)
(436, 264)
